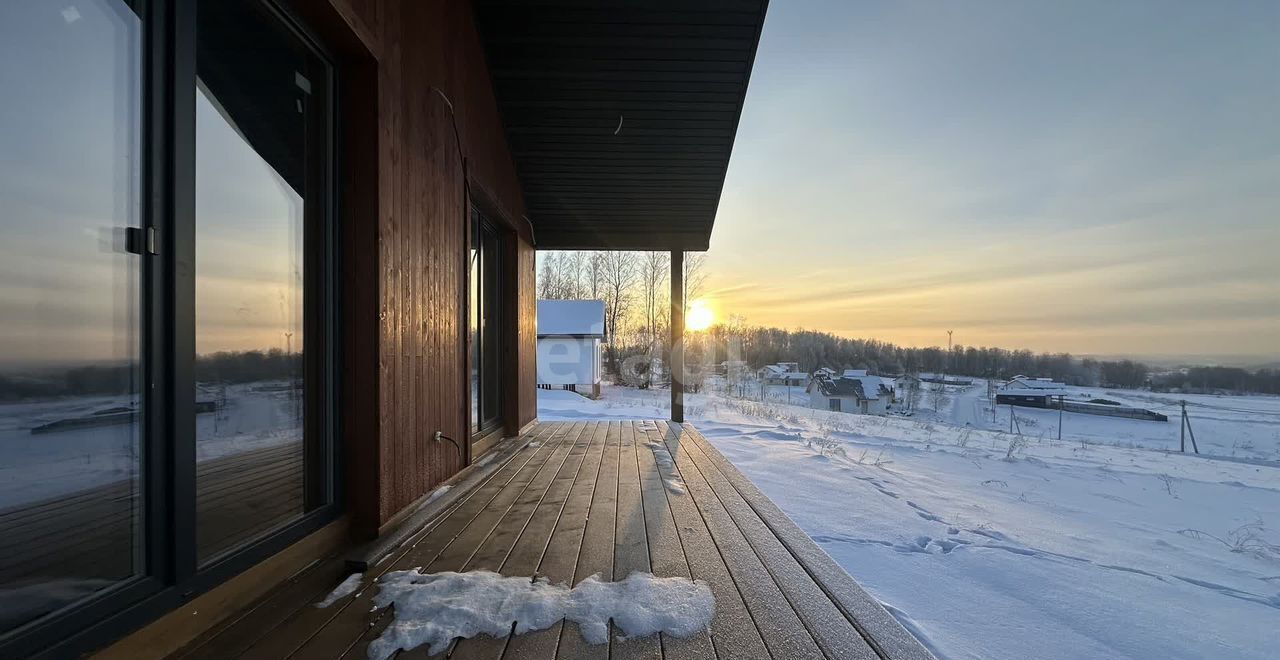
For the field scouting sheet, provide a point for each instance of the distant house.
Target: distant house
(824, 372)
(905, 382)
(1033, 384)
(868, 395)
(570, 333)
(782, 373)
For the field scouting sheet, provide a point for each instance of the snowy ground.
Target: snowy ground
(989, 545)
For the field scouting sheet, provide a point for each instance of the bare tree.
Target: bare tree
(654, 270)
(594, 274)
(618, 276)
(695, 275)
(549, 277)
(574, 267)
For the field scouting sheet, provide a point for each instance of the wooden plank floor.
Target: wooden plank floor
(601, 497)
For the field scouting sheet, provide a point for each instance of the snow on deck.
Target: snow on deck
(435, 609)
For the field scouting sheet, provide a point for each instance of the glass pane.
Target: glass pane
(489, 310)
(485, 353)
(258, 104)
(473, 324)
(70, 442)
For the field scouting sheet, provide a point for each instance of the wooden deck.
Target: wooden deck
(586, 498)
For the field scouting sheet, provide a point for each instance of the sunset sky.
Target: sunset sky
(1094, 177)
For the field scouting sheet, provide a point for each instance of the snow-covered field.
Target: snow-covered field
(992, 545)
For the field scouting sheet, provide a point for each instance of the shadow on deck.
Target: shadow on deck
(585, 498)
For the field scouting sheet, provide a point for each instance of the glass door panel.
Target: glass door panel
(485, 310)
(261, 121)
(71, 518)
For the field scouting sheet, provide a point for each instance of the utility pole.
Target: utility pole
(1011, 418)
(1059, 417)
(1184, 428)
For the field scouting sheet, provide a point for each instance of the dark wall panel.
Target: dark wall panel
(406, 356)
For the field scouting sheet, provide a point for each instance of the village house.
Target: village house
(570, 334)
(782, 373)
(1033, 384)
(852, 394)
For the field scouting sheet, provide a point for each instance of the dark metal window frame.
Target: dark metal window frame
(170, 575)
(479, 223)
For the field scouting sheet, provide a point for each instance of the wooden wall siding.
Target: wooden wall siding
(527, 334)
(417, 267)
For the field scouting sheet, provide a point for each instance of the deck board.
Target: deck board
(560, 557)
(733, 632)
(602, 498)
(666, 551)
(354, 625)
(631, 544)
(596, 555)
(821, 617)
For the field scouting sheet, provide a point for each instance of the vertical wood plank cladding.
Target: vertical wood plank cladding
(404, 239)
(526, 384)
(427, 45)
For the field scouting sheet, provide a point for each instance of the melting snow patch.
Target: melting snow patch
(434, 609)
(666, 465)
(343, 590)
(439, 491)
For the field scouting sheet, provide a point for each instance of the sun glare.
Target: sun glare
(699, 317)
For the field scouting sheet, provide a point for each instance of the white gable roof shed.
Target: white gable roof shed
(569, 336)
(571, 318)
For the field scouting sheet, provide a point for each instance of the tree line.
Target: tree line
(758, 346)
(105, 380)
(634, 288)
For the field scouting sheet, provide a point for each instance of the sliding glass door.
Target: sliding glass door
(262, 134)
(71, 459)
(485, 315)
(166, 306)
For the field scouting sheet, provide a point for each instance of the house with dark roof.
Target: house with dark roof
(852, 394)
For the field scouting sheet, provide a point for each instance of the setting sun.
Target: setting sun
(699, 317)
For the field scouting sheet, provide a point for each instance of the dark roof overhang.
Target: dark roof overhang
(621, 114)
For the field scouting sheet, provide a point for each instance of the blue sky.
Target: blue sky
(1096, 177)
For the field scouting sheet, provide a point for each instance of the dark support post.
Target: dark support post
(677, 337)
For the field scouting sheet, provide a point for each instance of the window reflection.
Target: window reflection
(70, 511)
(258, 103)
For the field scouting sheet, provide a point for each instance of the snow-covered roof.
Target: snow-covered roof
(571, 318)
(862, 387)
(854, 373)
